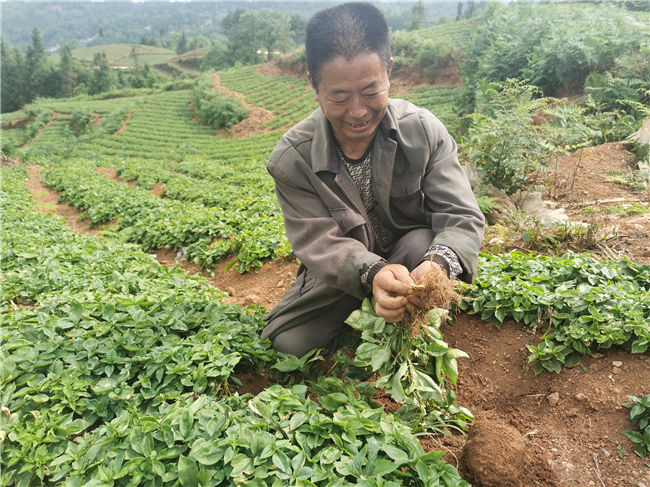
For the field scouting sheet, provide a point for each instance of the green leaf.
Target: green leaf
(395, 453)
(185, 423)
(383, 467)
(187, 472)
(241, 464)
(281, 460)
(297, 420)
(380, 357)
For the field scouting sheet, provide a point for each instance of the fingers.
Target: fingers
(391, 287)
(420, 271)
(415, 301)
(390, 315)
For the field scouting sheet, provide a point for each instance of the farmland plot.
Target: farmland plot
(135, 364)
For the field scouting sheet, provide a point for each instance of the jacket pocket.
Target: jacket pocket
(347, 219)
(405, 186)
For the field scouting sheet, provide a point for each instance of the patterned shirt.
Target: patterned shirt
(361, 172)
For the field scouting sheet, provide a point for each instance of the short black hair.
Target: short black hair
(346, 30)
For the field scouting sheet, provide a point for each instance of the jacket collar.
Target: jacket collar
(323, 152)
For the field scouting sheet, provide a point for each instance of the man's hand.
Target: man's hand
(390, 287)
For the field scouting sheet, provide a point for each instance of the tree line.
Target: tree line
(26, 77)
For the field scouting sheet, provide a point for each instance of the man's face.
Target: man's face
(353, 95)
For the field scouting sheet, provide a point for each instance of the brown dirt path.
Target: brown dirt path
(125, 125)
(256, 117)
(47, 201)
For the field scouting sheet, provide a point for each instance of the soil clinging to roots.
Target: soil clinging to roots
(434, 291)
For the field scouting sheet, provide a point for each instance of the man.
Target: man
(371, 189)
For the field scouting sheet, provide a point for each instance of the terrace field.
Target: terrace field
(141, 252)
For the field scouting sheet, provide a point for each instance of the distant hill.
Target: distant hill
(119, 55)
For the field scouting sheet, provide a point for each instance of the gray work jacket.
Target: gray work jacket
(417, 182)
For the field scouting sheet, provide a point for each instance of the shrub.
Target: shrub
(502, 144)
(217, 109)
(81, 122)
(434, 55)
(551, 45)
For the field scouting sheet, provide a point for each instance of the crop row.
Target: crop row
(225, 188)
(118, 371)
(252, 235)
(63, 105)
(454, 33)
(438, 100)
(290, 99)
(585, 304)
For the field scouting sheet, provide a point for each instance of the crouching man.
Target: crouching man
(370, 189)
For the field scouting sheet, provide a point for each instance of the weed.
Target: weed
(639, 413)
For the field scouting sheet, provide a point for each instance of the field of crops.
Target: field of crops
(289, 98)
(119, 54)
(455, 33)
(118, 371)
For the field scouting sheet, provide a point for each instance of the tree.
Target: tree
(267, 30)
(471, 8)
(419, 16)
(459, 11)
(67, 73)
(298, 27)
(231, 20)
(35, 64)
(136, 56)
(104, 79)
(274, 31)
(101, 32)
(182, 44)
(13, 93)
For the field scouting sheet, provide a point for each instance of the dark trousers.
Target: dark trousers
(312, 314)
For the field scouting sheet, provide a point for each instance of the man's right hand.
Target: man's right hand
(390, 287)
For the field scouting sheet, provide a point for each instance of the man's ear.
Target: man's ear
(390, 67)
(313, 86)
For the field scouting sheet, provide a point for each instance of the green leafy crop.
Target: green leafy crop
(579, 302)
(413, 370)
(639, 413)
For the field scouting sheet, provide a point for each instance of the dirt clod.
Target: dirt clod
(553, 399)
(495, 454)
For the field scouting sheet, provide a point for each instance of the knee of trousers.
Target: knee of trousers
(409, 250)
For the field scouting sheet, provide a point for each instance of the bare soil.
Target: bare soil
(581, 188)
(47, 201)
(20, 123)
(125, 125)
(248, 127)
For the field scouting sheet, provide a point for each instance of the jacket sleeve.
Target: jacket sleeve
(316, 231)
(449, 202)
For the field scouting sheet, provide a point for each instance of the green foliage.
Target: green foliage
(640, 413)
(252, 234)
(551, 45)
(289, 98)
(215, 108)
(413, 369)
(117, 370)
(432, 56)
(81, 122)
(486, 204)
(439, 100)
(502, 143)
(637, 181)
(581, 302)
(38, 117)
